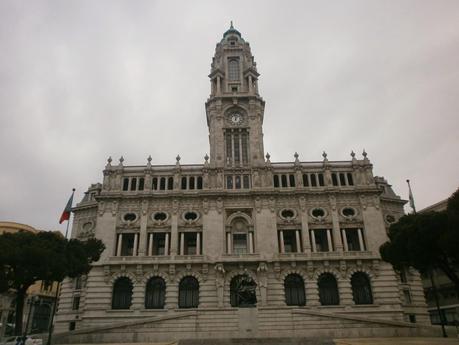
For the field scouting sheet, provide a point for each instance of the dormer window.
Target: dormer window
(233, 69)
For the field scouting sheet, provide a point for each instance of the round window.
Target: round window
(287, 214)
(130, 217)
(160, 216)
(190, 216)
(390, 219)
(318, 213)
(348, 212)
(87, 226)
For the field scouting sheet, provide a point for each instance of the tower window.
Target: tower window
(233, 70)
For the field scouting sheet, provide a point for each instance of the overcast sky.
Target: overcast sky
(84, 80)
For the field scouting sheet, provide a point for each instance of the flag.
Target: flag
(68, 208)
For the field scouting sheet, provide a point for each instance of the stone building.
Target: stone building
(239, 246)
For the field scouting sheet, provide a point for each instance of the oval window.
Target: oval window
(87, 226)
(190, 216)
(160, 216)
(348, 212)
(288, 214)
(390, 219)
(318, 213)
(130, 217)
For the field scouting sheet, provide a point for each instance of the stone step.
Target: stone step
(258, 341)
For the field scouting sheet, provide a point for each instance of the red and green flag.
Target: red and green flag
(68, 208)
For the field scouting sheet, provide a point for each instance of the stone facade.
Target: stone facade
(239, 215)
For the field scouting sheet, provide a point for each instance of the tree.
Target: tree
(26, 257)
(426, 241)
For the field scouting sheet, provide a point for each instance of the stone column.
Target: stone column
(361, 244)
(250, 242)
(136, 243)
(166, 244)
(305, 231)
(174, 234)
(281, 241)
(143, 234)
(182, 243)
(120, 243)
(336, 236)
(150, 244)
(229, 246)
(250, 85)
(343, 231)
(219, 88)
(298, 241)
(313, 240)
(198, 243)
(329, 241)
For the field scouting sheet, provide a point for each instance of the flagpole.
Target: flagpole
(411, 197)
(58, 288)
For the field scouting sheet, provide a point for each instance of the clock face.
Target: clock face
(236, 118)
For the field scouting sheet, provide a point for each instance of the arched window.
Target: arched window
(361, 288)
(122, 293)
(155, 293)
(276, 181)
(294, 290)
(233, 69)
(188, 293)
(328, 289)
(242, 291)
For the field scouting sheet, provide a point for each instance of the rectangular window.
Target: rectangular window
(407, 296)
(245, 153)
(154, 183)
(321, 240)
(233, 69)
(291, 180)
(133, 183)
(238, 181)
(313, 180)
(342, 179)
(77, 283)
(352, 237)
(229, 182)
(350, 180)
(284, 180)
(191, 182)
(162, 183)
(72, 325)
(239, 243)
(290, 241)
(334, 179)
(125, 184)
(237, 152)
(190, 244)
(229, 148)
(246, 181)
(321, 180)
(183, 182)
(76, 303)
(141, 183)
(159, 243)
(199, 183)
(127, 244)
(305, 180)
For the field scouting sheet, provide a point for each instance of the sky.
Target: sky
(84, 80)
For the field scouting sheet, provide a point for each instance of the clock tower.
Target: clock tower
(234, 109)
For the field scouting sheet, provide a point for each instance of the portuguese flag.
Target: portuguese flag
(68, 208)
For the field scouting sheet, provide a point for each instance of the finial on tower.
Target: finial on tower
(231, 25)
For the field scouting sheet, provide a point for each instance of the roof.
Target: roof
(439, 206)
